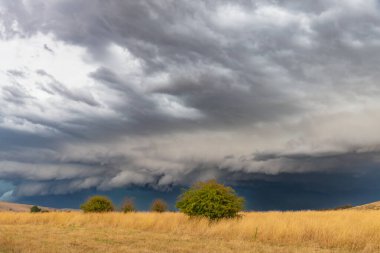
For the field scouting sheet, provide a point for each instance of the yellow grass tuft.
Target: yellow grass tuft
(306, 231)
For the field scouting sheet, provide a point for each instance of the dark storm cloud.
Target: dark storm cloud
(224, 103)
(170, 92)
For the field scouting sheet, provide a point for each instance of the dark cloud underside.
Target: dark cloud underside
(109, 94)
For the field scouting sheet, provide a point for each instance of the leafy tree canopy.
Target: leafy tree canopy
(97, 204)
(211, 200)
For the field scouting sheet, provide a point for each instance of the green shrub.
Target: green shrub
(35, 209)
(211, 200)
(159, 205)
(97, 204)
(128, 206)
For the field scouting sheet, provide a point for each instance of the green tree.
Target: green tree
(128, 206)
(35, 209)
(97, 204)
(158, 205)
(211, 200)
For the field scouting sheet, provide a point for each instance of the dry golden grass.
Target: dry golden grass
(370, 206)
(14, 207)
(308, 231)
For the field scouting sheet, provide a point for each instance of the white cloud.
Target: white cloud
(232, 16)
(173, 106)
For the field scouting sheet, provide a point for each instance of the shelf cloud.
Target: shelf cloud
(110, 94)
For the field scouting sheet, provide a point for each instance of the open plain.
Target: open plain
(342, 231)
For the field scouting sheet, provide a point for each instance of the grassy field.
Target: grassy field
(307, 231)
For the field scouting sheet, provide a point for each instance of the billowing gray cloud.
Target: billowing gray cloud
(108, 94)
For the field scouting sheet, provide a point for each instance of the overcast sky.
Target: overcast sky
(111, 94)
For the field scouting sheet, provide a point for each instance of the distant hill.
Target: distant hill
(14, 207)
(370, 206)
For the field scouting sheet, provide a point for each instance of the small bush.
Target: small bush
(97, 204)
(211, 200)
(35, 209)
(159, 205)
(128, 206)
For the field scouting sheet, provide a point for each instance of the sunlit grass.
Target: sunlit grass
(306, 231)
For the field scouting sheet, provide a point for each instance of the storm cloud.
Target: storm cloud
(109, 94)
